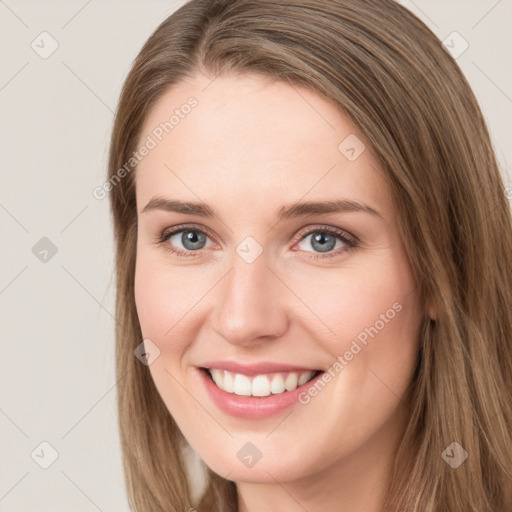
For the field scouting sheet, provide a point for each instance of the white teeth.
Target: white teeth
(241, 385)
(277, 384)
(291, 381)
(259, 385)
(302, 379)
(216, 376)
(227, 383)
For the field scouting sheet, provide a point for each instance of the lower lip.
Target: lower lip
(252, 407)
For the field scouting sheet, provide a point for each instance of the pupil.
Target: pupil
(323, 245)
(192, 240)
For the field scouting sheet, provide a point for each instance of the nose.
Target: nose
(251, 305)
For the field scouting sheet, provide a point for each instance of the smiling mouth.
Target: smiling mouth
(259, 385)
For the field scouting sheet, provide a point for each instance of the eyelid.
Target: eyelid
(166, 233)
(302, 234)
(327, 229)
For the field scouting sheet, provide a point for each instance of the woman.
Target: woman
(250, 138)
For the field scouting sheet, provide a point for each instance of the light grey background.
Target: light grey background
(57, 378)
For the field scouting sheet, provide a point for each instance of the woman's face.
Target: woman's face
(259, 280)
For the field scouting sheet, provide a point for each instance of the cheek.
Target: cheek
(162, 299)
(170, 302)
(162, 305)
(360, 304)
(163, 293)
(370, 321)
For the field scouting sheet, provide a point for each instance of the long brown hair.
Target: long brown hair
(389, 74)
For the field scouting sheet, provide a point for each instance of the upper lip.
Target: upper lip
(255, 368)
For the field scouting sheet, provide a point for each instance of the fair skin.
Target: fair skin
(249, 147)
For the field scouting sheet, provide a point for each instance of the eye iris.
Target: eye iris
(192, 237)
(320, 238)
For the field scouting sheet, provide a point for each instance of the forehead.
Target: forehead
(250, 139)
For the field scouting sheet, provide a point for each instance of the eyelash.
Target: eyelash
(350, 241)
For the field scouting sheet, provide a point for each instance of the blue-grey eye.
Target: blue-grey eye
(321, 241)
(192, 240)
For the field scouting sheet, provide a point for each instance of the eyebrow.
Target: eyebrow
(285, 212)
